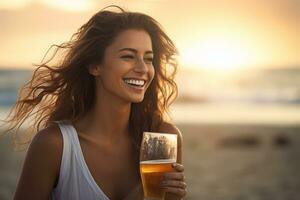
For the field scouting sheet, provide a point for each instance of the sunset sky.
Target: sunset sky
(216, 34)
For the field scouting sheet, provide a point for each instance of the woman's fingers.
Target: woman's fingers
(174, 183)
(178, 167)
(175, 175)
(178, 191)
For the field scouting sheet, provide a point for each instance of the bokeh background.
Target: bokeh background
(239, 86)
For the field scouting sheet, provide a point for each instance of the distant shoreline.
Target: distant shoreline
(226, 114)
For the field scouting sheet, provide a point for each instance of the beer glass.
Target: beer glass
(158, 153)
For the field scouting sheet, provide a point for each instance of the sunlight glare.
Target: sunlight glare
(71, 5)
(216, 54)
(13, 4)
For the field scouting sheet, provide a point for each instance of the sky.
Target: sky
(209, 34)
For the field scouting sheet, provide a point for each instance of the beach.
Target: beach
(233, 162)
(222, 161)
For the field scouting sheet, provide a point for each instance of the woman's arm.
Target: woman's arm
(41, 166)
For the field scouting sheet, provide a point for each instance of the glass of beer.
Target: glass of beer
(158, 153)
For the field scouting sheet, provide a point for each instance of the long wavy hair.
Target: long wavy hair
(66, 90)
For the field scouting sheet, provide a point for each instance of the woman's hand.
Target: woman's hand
(174, 182)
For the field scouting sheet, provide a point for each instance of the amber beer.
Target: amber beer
(152, 172)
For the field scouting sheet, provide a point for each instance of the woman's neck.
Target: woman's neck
(106, 119)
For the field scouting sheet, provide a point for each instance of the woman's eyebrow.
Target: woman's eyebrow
(134, 50)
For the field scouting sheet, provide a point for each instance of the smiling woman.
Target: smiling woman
(93, 106)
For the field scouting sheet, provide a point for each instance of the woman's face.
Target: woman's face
(127, 71)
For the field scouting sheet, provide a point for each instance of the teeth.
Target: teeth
(135, 82)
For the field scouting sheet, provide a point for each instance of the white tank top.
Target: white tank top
(75, 180)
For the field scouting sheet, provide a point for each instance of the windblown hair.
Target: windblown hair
(66, 90)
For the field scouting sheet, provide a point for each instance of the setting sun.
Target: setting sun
(217, 53)
(223, 37)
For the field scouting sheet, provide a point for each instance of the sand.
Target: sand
(226, 162)
(230, 162)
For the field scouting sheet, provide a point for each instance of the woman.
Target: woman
(114, 82)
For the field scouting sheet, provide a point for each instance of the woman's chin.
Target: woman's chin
(136, 99)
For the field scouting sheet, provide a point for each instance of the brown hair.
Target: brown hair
(66, 91)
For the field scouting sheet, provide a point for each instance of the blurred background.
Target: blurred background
(239, 86)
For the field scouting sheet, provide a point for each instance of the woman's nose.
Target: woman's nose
(141, 66)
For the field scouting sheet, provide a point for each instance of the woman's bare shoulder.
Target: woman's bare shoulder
(48, 137)
(47, 143)
(169, 127)
(41, 165)
(46, 147)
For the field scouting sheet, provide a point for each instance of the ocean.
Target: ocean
(268, 96)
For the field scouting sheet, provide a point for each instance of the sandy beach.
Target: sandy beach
(230, 162)
(226, 162)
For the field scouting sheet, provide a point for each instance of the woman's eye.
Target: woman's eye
(149, 59)
(127, 57)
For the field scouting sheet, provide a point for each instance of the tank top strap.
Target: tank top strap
(73, 135)
(66, 153)
(72, 142)
(73, 138)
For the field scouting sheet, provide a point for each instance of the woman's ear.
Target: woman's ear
(95, 70)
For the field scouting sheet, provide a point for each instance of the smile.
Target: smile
(135, 83)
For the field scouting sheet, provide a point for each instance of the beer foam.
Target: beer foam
(171, 136)
(161, 161)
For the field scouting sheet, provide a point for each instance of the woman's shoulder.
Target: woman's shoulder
(47, 144)
(41, 165)
(49, 136)
(169, 127)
